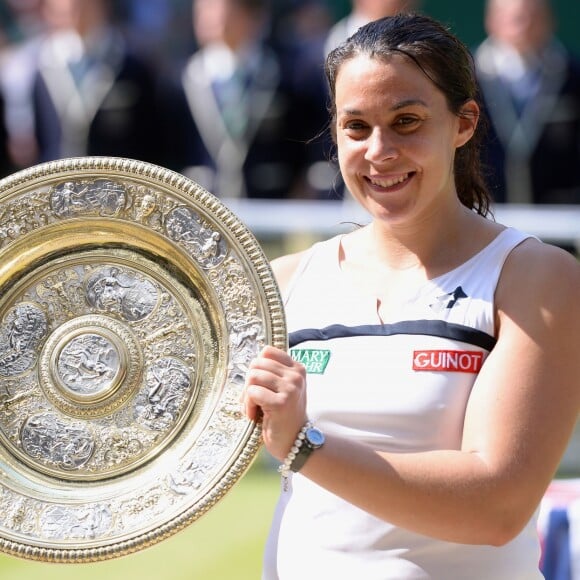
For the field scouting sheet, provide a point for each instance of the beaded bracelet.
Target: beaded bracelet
(286, 466)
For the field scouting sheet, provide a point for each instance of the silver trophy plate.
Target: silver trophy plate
(131, 302)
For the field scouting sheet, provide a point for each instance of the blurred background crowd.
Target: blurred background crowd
(232, 92)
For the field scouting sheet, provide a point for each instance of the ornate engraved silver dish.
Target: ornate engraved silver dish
(131, 302)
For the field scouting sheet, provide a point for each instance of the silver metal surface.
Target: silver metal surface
(131, 303)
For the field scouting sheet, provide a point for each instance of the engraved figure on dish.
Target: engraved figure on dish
(109, 197)
(21, 217)
(19, 515)
(115, 291)
(197, 472)
(49, 438)
(207, 245)
(101, 197)
(88, 364)
(145, 207)
(210, 245)
(237, 294)
(24, 327)
(61, 294)
(246, 338)
(120, 447)
(168, 384)
(85, 523)
(68, 199)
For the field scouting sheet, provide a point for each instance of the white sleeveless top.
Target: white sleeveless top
(401, 386)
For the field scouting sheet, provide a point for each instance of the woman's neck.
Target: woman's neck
(433, 243)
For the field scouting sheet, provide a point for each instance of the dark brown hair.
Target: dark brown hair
(446, 61)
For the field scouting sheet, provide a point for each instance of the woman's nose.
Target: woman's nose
(380, 147)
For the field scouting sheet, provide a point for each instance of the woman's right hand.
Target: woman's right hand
(275, 392)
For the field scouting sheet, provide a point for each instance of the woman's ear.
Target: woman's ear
(468, 119)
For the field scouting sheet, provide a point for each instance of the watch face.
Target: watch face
(315, 437)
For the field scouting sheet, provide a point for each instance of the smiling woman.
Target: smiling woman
(440, 331)
(397, 139)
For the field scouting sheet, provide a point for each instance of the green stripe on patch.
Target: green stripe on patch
(315, 360)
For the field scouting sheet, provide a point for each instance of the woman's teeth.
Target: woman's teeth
(389, 182)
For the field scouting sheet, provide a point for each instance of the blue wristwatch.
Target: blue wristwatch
(313, 439)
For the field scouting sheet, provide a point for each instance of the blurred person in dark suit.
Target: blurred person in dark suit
(232, 122)
(22, 27)
(92, 95)
(299, 36)
(531, 89)
(362, 12)
(6, 164)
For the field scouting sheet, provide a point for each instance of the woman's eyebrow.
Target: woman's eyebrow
(395, 107)
(409, 103)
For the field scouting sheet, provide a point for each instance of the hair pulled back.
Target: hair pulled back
(446, 61)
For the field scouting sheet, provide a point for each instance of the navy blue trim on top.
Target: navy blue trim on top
(426, 327)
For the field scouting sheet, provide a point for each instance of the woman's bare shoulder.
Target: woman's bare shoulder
(546, 263)
(540, 275)
(284, 268)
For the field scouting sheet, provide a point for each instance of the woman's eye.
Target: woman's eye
(406, 122)
(354, 126)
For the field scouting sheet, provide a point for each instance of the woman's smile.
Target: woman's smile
(388, 183)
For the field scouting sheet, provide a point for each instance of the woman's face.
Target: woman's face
(396, 137)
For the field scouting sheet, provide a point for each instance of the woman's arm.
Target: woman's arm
(521, 413)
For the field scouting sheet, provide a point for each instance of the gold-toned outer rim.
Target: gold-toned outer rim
(248, 247)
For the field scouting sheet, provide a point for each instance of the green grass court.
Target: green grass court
(226, 543)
